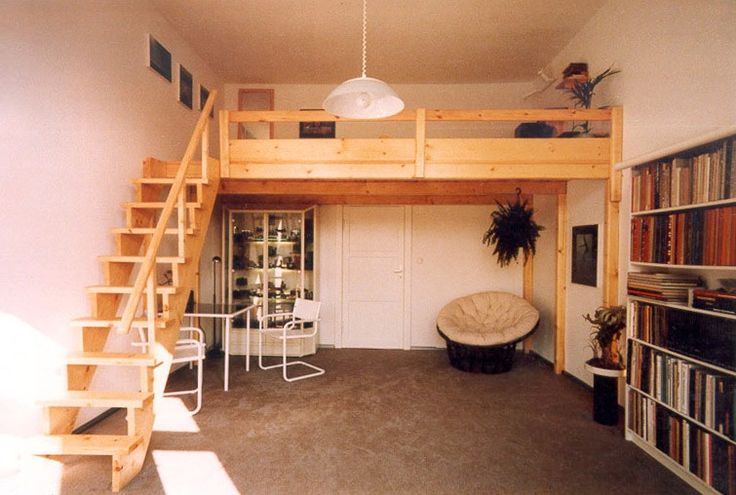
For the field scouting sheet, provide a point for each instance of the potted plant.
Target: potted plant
(582, 94)
(512, 229)
(606, 364)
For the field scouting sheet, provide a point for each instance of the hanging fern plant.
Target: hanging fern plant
(512, 228)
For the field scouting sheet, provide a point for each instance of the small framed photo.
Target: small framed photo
(186, 89)
(159, 58)
(311, 130)
(204, 93)
(585, 255)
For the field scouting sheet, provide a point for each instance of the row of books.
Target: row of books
(695, 237)
(708, 338)
(719, 301)
(670, 287)
(695, 391)
(705, 455)
(708, 176)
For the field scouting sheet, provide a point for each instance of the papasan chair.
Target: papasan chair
(481, 330)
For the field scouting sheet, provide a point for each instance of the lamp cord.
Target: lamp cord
(365, 28)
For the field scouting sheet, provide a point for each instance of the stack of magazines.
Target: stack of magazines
(669, 287)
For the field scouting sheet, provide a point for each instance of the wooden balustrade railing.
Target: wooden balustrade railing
(145, 280)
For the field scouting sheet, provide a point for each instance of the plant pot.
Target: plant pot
(605, 394)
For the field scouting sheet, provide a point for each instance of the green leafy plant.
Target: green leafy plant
(582, 93)
(512, 229)
(608, 323)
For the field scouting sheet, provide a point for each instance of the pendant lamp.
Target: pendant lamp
(363, 97)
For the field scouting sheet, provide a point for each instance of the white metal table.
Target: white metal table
(226, 312)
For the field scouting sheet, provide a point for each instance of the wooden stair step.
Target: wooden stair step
(139, 259)
(156, 204)
(83, 444)
(128, 289)
(167, 180)
(92, 322)
(150, 231)
(86, 398)
(111, 359)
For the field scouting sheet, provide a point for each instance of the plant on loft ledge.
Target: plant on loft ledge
(512, 229)
(608, 323)
(582, 93)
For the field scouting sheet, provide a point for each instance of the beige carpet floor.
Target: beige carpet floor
(380, 422)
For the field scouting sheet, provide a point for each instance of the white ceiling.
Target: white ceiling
(409, 41)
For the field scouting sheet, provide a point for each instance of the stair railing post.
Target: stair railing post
(151, 310)
(205, 151)
(181, 220)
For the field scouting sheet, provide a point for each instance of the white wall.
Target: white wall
(545, 279)
(79, 111)
(677, 81)
(447, 260)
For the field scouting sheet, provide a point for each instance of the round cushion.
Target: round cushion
(487, 319)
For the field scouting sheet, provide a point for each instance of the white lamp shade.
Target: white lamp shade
(363, 98)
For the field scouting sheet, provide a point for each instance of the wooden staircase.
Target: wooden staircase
(165, 230)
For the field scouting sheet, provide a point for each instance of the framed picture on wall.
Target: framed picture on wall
(159, 58)
(585, 255)
(186, 90)
(310, 130)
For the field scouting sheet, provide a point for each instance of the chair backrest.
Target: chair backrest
(306, 310)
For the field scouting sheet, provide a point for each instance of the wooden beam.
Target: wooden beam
(612, 213)
(224, 143)
(518, 151)
(450, 115)
(421, 143)
(528, 288)
(561, 284)
(616, 152)
(367, 187)
(343, 199)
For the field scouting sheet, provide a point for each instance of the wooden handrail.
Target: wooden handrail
(432, 115)
(177, 191)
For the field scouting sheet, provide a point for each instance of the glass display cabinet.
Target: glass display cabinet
(270, 262)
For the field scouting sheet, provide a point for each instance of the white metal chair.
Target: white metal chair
(305, 311)
(189, 348)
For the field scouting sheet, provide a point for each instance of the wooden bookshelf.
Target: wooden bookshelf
(681, 377)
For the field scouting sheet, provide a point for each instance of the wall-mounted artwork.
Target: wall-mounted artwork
(159, 58)
(585, 255)
(316, 129)
(186, 89)
(204, 93)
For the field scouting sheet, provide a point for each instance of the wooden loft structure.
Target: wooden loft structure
(166, 227)
(423, 170)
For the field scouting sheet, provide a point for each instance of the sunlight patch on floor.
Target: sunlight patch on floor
(172, 415)
(182, 471)
(29, 474)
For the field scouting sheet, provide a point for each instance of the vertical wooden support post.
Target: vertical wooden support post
(151, 309)
(528, 289)
(224, 144)
(561, 292)
(205, 152)
(612, 212)
(421, 140)
(181, 220)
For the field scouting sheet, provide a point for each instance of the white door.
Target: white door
(373, 277)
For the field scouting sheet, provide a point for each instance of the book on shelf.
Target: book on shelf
(685, 180)
(695, 237)
(705, 455)
(714, 300)
(707, 338)
(661, 286)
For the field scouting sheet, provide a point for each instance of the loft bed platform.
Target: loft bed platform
(419, 157)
